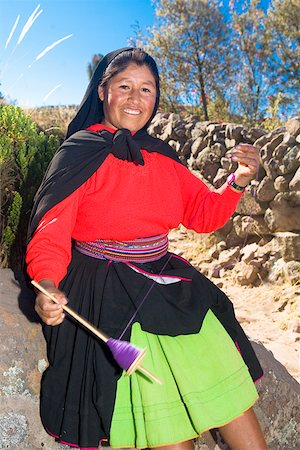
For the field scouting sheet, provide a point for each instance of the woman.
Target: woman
(99, 241)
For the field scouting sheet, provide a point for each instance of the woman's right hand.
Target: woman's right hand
(51, 313)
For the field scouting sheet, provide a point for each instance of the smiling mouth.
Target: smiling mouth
(132, 112)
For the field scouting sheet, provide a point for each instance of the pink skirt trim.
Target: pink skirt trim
(69, 444)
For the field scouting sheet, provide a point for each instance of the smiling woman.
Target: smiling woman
(99, 241)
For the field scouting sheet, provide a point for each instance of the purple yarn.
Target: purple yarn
(124, 353)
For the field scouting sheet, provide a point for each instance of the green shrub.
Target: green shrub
(24, 156)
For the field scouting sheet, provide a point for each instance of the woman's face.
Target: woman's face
(129, 98)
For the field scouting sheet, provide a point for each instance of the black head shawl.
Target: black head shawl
(84, 151)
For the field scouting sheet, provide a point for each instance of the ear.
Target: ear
(101, 93)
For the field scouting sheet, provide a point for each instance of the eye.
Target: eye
(124, 86)
(147, 90)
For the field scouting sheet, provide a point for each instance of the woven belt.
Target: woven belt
(138, 250)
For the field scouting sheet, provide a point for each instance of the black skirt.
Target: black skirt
(167, 297)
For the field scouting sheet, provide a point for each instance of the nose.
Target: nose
(134, 95)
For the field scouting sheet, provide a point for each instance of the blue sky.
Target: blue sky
(59, 76)
(97, 26)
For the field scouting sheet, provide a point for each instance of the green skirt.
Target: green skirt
(205, 384)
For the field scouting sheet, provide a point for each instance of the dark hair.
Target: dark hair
(123, 60)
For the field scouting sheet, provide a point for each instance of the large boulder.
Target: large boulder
(22, 361)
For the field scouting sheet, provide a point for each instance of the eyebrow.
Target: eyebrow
(122, 80)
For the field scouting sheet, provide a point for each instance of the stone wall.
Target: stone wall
(264, 234)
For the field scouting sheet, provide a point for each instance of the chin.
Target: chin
(132, 128)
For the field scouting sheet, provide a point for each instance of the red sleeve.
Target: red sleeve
(205, 211)
(49, 251)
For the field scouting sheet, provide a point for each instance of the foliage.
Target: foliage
(53, 119)
(249, 87)
(222, 63)
(282, 38)
(92, 65)
(190, 45)
(24, 156)
(272, 122)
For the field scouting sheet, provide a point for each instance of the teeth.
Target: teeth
(132, 111)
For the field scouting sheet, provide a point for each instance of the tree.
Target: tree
(250, 83)
(282, 34)
(190, 44)
(92, 65)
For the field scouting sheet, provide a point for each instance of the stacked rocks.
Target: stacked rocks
(269, 212)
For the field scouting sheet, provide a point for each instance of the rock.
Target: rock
(290, 162)
(276, 268)
(292, 270)
(293, 126)
(175, 145)
(233, 131)
(199, 130)
(179, 131)
(13, 430)
(245, 274)
(278, 139)
(277, 408)
(23, 357)
(266, 153)
(230, 143)
(287, 244)
(213, 128)
(185, 150)
(289, 139)
(281, 183)
(280, 151)
(198, 145)
(208, 164)
(250, 226)
(271, 168)
(249, 205)
(167, 132)
(295, 326)
(221, 246)
(261, 141)
(229, 257)
(20, 349)
(227, 164)
(254, 134)
(218, 149)
(225, 230)
(248, 252)
(283, 213)
(294, 184)
(220, 178)
(290, 198)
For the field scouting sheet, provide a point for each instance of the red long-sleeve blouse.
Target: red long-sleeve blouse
(124, 201)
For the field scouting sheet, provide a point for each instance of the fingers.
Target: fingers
(51, 313)
(246, 155)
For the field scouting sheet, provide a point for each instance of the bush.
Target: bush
(24, 156)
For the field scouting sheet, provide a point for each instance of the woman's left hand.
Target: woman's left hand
(247, 157)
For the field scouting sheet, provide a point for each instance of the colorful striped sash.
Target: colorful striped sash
(138, 250)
